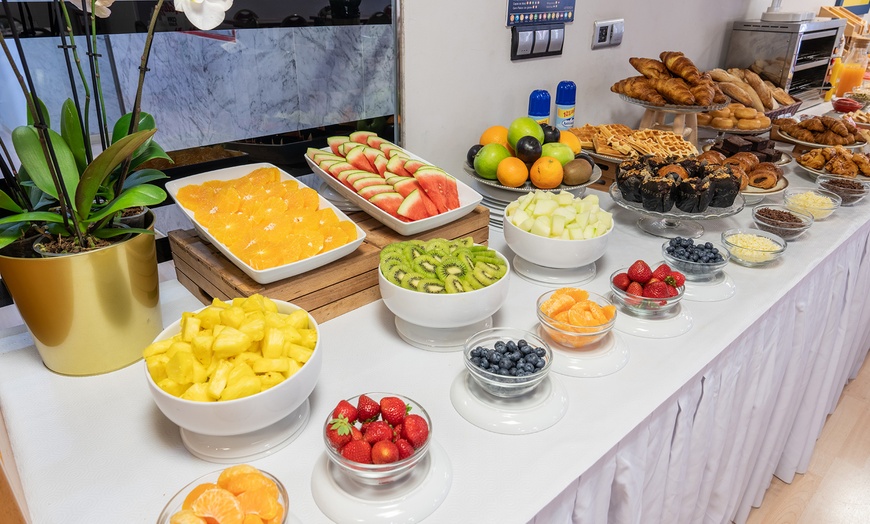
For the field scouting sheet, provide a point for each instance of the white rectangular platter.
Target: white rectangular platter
(263, 276)
(468, 200)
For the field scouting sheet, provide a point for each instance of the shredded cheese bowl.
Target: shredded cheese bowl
(753, 247)
(817, 202)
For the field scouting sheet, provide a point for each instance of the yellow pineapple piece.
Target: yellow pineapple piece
(200, 373)
(173, 388)
(264, 365)
(246, 357)
(239, 370)
(271, 379)
(308, 338)
(272, 344)
(254, 328)
(219, 379)
(179, 369)
(219, 303)
(269, 305)
(274, 319)
(157, 348)
(232, 316)
(294, 367)
(298, 319)
(197, 392)
(230, 342)
(243, 387)
(253, 303)
(202, 348)
(298, 353)
(156, 365)
(215, 331)
(291, 335)
(178, 347)
(190, 326)
(210, 316)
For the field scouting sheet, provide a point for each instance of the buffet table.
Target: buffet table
(690, 430)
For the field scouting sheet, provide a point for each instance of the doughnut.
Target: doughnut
(746, 112)
(704, 119)
(720, 113)
(722, 123)
(749, 123)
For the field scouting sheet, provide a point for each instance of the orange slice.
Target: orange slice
(244, 482)
(348, 228)
(232, 471)
(220, 505)
(195, 493)
(261, 502)
(327, 217)
(264, 175)
(557, 303)
(333, 237)
(303, 198)
(186, 516)
(573, 292)
(304, 244)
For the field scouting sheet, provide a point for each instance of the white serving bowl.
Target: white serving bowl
(554, 253)
(247, 414)
(445, 310)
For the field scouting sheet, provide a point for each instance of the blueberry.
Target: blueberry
(529, 368)
(483, 364)
(512, 372)
(511, 345)
(673, 241)
(475, 361)
(493, 357)
(540, 352)
(540, 364)
(525, 350)
(500, 346)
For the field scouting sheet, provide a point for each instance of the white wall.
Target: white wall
(459, 79)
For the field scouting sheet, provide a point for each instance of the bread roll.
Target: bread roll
(761, 90)
(736, 93)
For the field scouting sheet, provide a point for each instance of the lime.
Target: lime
(487, 159)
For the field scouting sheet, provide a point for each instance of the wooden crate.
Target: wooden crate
(608, 175)
(326, 292)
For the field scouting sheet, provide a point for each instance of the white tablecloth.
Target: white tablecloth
(691, 430)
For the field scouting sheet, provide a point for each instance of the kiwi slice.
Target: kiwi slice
(451, 265)
(394, 257)
(498, 270)
(395, 274)
(412, 279)
(396, 248)
(462, 242)
(426, 264)
(438, 244)
(430, 285)
(472, 282)
(484, 274)
(486, 257)
(414, 250)
(464, 255)
(454, 284)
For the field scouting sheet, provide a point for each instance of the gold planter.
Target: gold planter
(93, 312)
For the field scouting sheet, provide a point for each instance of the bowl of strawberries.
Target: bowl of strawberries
(377, 438)
(645, 291)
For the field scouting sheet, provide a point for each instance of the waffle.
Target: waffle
(621, 141)
(585, 134)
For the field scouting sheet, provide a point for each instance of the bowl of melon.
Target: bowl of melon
(557, 230)
(442, 283)
(236, 376)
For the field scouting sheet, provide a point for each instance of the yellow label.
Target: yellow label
(564, 112)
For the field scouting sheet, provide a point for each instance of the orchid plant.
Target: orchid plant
(61, 187)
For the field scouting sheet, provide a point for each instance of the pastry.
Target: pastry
(629, 177)
(712, 157)
(639, 87)
(745, 112)
(675, 169)
(722, 123)
(649, 67)
(704, 119)
(674, 90)
(735, 92)
(703, 93)
(657, 193)
(749, 124)
(762, 179)
(723, 185)
(678, 64)
(693, 195)
(761, 90)
(746, 159)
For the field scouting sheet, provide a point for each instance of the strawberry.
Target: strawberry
(415, 430)
(405, 448)
(393, 410)
(621, 281)
(355, 433)
(397, 432)
(347, 409)
(672, 291)
(661, 272)
(639, 272)
(635, 289)
(384, 452)
(656, 290)
(377, 431)
(367, 409)
(339, 432)
(357, 451)
(675, 278)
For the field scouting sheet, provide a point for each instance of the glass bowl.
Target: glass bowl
(506, 386)
(752, 256)
(850, 190)
(807, 201)
(644, 307)
(379, 474)
(574, 336)
(696, 271)
(785, 230)
(175, 503)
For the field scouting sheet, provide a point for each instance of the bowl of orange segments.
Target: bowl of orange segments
(239, 494)
(575, 318)
(265, 221)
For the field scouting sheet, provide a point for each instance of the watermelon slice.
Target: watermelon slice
(353, 177)
(357, 158)
(392, 178)
(361, 137)
(361, 183)
(326, 164)
(389, 203)
(397, 165)
(320, 157)
(411, 166)
(406, 186)
(311, 151)
(439, 187)
(372, 153)
(335, 141)
(390, 149)
(335, 169)
(346, 147)
(370, 191)
(342, 177)
(413, 207)
(376, 141)
(381, 164)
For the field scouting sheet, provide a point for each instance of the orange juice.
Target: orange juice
(851, 77)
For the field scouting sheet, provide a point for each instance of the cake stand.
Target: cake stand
(685, 117)
(675, 222)
(599, 359)
(439, 339)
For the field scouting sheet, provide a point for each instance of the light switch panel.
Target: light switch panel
(557, 36)
(616, 32)
(542, 41)
(526, 40)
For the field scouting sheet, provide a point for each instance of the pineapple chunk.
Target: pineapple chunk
(298, 353)
(202, 349)
(271, 379)
(233, 316)
(230, 342)
(239, 370)
(173, 388)
(253, 303)
(157, 348)
(298, 319)
(246, 357)
(209, 317)
(219, 379)
(219, 303)
(274, 319)
(272, 344)
(291, 334)
(190, 326)
(308, 339)
(157, 366)
(265, 365)
(179, 369)
(197, 392)
(243, 387)
(178, 347)
(254, 328)
(294, 367)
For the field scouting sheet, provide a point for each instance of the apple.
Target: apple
(487, 159)
(560, 215)
(561, 152)
(524, 126)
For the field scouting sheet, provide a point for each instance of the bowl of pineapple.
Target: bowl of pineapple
(235, 376)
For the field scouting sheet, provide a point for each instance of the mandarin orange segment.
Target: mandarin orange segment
(278, 518)
(290, 185)
(557, 304)
(232, 471)
(195, 493)
(327, 217)
(261, 502)
(348, 228)
(304, 198)
(264, 175)
(573, 292)
(244, 482)
(609, 312)
(220, 505)
(186, 516)
(250, 518)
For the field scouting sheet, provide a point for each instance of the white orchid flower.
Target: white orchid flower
(101, 9)
(204, 14)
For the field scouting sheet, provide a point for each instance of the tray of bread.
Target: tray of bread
(821, 131)
(747, 87)
(735, 118)
(617, 142)
(672, 83)
(835, 160)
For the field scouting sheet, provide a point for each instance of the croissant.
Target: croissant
(703, 92)
(639, 87)
(836, 125)
(674, 90)
(649, 67)
(678, 64)
(813, 124)
(862, 162)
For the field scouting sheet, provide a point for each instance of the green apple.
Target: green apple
(559, 151)
(524, 126)
(487, 159)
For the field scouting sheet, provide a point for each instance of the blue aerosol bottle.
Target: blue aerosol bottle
(539, 106)
(566, 96)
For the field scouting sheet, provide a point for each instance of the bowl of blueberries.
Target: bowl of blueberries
(507, 362)
(698, 262)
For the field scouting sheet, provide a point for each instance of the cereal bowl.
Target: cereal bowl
(175, 503)
(378, 474)
(779, 220)
(695, 271)
(554, 253)
(644, 307)
(817, 202)
(496, 343)
(570, 335)
(850, 190)
(753, 247)
(243, 415)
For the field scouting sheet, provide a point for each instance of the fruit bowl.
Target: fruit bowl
(753, 247)
(819, 202)
(506, 386)
(643, 307)
(850, 190)
(243, 415)
(570, 335)
(765, 217)
(175, 503)
(695, 271)
(378, 474)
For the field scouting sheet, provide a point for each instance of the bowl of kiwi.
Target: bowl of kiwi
(442, 283)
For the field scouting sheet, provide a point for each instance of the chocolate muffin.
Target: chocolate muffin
(693, 195)
(657, 193)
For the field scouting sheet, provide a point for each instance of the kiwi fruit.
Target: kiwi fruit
(395, 248)
(441, 266)
(464, 255)
(451, 265)
(393, 257)
(461, 243)
(426, 264)
(577, 171)
(437, 244)
(412, 279)
(498, 270)
(472, 282)
(454, 284)
(413, 250)
(395, 274)
(431, 285)
(484, 274)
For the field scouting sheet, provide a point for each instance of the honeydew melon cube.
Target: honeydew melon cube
(582, 219)
(545, 208)
(512, 207)
(589, 232)
(566, 211)
(565, 198)
(558, 226)
(576, 233)
(542, 226)
(578, 206)
(593, 208)
(605, 221)
(527, 224)
(566, 235)
(592, 199)
(519, 217)
(525, 201)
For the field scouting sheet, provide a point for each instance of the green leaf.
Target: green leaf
(122, 126)
(9, 233)
(143, 195)
(32, 216)
(44, 110)
(30, 152)
(71, 131)
(143, 176)
(8, 204)
(102, 166)
(149, 151)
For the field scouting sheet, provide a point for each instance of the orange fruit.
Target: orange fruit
(512, 172)
(195, 493)
(571, 140)
(244, 482)
(546, 173)
(327, 217)
(232, 471)
(264, 175)
(186, 516)
(349, 228)
(557, 304)
(333, 237)
(573, 292)
(495, 135)
(220, 505)
(261, 502)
